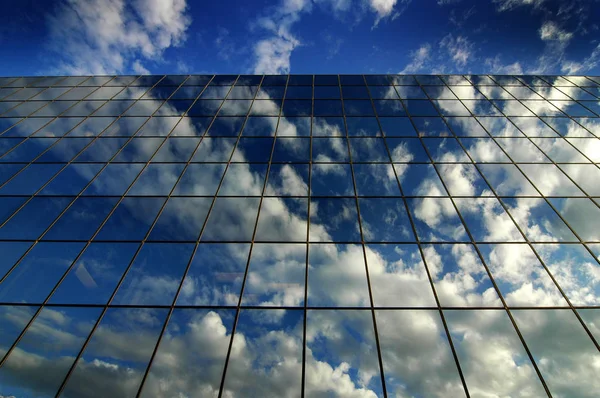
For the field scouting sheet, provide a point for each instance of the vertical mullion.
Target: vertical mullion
(309, 194)
(420, 247)
(362, 242)
(262, 195)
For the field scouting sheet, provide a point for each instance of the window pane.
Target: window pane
(124, 342)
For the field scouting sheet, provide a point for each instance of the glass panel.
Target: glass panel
(38, 272)
(409, 340)
(436, 220)
(288, 180)
(520, 277)
(487, 221)
(118, 353)
(231, 219)
(14, 319)
(33, 219)
(486, 150)
(385, 220)
(101, 150)
(326, 150)
(328, 126)
(154, 275)
(215, 275)
(44, 355)
(344, 364)
(11, 251)
(563, 351)
(507, 180)
(419, 180)
(244, 179)
(268, 344)
(398, 277)
(181, 219)
(538, 221)
(282, 219)
(490, 353)
(397, 127)
(582, 214)
(362, 126)
(82, 219)
(191, 354)
(156, 179)
(550, 180)
(30, 179)
(463, 180)
(114, 179)
(95, 275)
(331, 180)
(131, 219)
(459, 276)
(276, 275)
(292, 150)
(336, 276)
(376, 180)
(406, 150)
(214, 150)
(334, 220)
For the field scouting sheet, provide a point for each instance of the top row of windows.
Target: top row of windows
(297, 80)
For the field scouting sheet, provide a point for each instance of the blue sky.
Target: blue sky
(300, 36)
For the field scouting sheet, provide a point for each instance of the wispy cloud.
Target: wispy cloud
(556, 41)
(112, 36)
(507, 5)
(495, 65)
(459, 48)
(224, 44)
(550, 31)
(418, 59)
(588, 63)
(451, 52)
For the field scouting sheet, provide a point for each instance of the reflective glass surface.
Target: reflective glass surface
(299, 236)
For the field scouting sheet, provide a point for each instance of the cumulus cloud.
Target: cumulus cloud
(113, 36)
(387, 8)
(272, 54)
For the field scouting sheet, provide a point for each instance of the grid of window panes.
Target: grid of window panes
(318, 236)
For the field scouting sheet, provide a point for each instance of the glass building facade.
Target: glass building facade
(286, 236)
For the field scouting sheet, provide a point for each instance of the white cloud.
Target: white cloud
(418, 59)
(459, 48)
(588, 63)
(272, 54)
(139, 68)
(507, 5)
(495, 65)
(110, 36)
(551, 31)
(386, 8)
